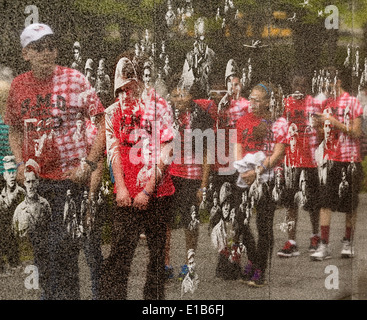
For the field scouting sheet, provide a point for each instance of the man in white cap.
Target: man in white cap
(11, 195)
(56, 94)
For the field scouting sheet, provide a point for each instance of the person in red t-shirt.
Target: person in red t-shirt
(136, 135)
(42, 108)
(259, 136)
(300, 169)
(337, 154)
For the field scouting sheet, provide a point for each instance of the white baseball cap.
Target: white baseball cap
(34, 32)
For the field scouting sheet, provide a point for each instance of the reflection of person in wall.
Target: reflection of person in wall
(11, 195)
(84, 207)
(79, 136)
(215, 213)
(323, 153)
(344, 185)
(300, 197)
(103, 82)
(242, 207)
(204, 207)
(89, 72)
(77, 62)
(199, 61)
(32, 220)
(194, 223)
(146, 171)
(225, 237)
(256, 189)
(70, 219)
(278, 189)
(292, 157)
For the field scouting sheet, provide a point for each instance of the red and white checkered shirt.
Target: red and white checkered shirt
(183, 164)
(52, 113)
(277, 132)
(345, 109)
(134, 130)
(303, 135)
(204, 112)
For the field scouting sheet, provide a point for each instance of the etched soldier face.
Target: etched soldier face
(225, 209)
(31, 184)
(204, 197)
(327, 129)
(193, 215)
(9, 177)
(76, 53)
(215, 201)
(303, 186)
(147, 77)
(344, 175)
(233, 214)
(79, 124)
(278, 178)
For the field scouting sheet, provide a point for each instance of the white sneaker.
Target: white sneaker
(347, 250)
(322, 252)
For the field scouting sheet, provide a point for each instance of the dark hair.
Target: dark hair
(345, 75)
(265, 87)
(197, 91)
(300, 82)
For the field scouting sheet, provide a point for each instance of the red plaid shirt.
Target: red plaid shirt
(277, 133)
(299, 113)
(47, 111)
(345, 109)
(184, 165)
(133, 131)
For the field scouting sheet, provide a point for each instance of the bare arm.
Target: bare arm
(95, 154)
(354, 130)
(114, 159)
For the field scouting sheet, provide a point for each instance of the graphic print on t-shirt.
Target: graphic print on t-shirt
(53, 116)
